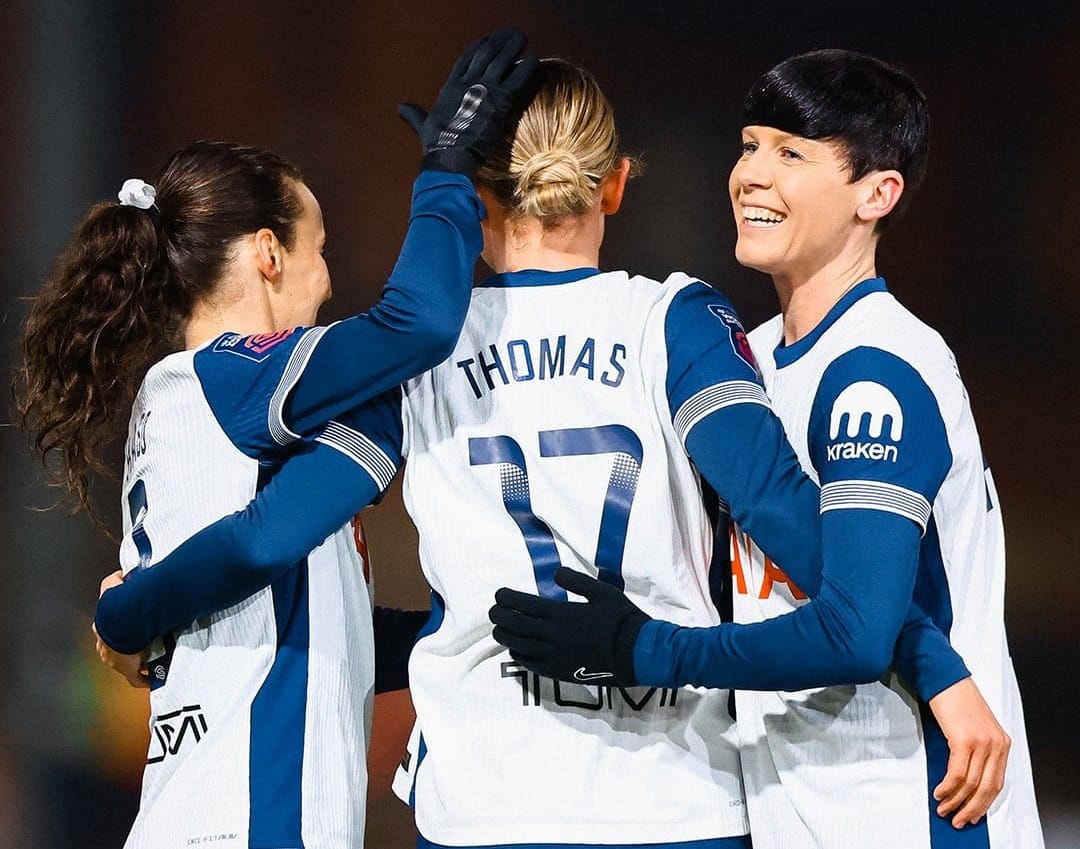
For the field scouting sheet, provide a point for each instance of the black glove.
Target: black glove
(588, 643)
(474, 109)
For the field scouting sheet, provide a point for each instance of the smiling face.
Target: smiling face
(795, 209)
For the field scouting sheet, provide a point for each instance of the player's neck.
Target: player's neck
(233, 309)
(805, 299)
(573, 243)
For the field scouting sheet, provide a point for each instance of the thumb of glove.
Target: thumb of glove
(582, 584)
(414, 116)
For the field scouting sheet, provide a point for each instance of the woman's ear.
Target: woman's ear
(613, 187)
(268, 254)
(882, 192)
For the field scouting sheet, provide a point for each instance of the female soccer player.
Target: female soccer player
(568, 427)
(833, 144)
(259, 713)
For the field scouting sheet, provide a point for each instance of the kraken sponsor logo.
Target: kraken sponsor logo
(870, 411)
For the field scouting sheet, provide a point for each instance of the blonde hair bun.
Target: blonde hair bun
(562, 149)
(552, 183)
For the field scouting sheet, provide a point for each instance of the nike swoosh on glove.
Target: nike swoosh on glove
(590, 642)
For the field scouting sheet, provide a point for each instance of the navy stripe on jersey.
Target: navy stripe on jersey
(278, 720)
(435, 620)
(361, 450)
(298, 361)
(535, 277)
(713, 398)
(875, 495)
(933, 595)
(942, 833)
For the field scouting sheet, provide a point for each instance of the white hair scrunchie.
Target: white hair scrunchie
(136, 193)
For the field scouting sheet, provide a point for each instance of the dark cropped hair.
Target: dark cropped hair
(874, 110)
(123, 288)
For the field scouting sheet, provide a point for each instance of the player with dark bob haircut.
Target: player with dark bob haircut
(872, 400)
(875, 111)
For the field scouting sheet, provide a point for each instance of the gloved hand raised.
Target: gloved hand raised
(588, 643)
(473, 111)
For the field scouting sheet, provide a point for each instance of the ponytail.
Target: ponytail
(121, 292)
(103, 317)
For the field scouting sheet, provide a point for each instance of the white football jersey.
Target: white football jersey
(549, 437)
(259, 714)
(871, 401)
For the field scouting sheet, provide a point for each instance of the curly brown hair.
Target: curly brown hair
(122, 290)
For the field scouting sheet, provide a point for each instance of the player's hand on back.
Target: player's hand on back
(131, 666)
(473, 112)
(978, 753)
(588, 643)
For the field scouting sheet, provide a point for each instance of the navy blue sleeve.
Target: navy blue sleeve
(720, 410)
(316, 491)
(395, 635)
(416, 324)
(878, 442)
(270, 389)
(847, 634)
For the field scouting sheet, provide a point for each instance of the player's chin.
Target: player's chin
(755, 256)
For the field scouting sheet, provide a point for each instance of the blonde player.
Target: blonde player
(258, 713)
(874, 405)
(567, 427)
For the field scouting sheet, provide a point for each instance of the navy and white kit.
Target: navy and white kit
(260, 706)
(570, 425)
(874, 405)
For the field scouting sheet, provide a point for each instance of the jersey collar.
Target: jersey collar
(536, 277)
(785, 355)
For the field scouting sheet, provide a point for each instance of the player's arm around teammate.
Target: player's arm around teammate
(740, 447)
(791, 194)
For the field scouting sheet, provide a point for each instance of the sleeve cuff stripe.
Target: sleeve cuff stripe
(293, 369)
(713, 398)
(876, 495)
(361, 450)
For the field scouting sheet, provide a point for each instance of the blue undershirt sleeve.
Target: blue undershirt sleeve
(395, 635)
(314, 493)
(720, 410)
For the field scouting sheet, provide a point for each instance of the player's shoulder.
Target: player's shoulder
(680, 289)
(246, 380)
(679, 281)
(174, 373)
(237, 350)
(234, 362)
(881, 321)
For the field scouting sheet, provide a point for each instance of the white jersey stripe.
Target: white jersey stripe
(361, 450)
(713, 398)
(297, 363)
(875, 495)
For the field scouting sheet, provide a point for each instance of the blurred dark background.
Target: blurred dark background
(98, 91)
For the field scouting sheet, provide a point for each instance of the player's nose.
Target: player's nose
(751, 172)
